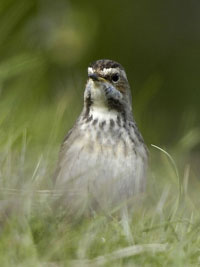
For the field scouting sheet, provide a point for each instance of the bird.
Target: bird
(103, 159)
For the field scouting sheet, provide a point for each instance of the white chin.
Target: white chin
(97, 92)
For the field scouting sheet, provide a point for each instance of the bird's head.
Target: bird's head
(107, 88)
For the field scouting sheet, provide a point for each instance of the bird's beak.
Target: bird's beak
(95, 77)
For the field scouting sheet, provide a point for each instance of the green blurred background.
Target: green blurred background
(46, 46)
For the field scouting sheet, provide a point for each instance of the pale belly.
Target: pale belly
(100, 174)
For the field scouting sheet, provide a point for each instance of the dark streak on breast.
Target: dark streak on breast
(118, 121)
(88, 103)
(112, 123)
(89, 118)
(102, 124)
(95, 121)
(137, 133)
(128, 131)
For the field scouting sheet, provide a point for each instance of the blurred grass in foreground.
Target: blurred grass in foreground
(164, 229)
(43, 45)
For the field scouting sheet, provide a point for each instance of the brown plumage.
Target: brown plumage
(103, 160)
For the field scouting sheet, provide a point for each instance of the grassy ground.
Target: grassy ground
(164, 229)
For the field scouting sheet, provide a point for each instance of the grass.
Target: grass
(165, 228)
(40, 46)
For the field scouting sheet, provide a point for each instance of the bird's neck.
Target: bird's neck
(103, 113)
(101, 118)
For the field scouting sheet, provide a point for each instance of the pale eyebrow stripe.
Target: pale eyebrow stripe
(107, 71)
(90, 70)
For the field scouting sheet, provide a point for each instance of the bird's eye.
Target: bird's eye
(115, 77)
